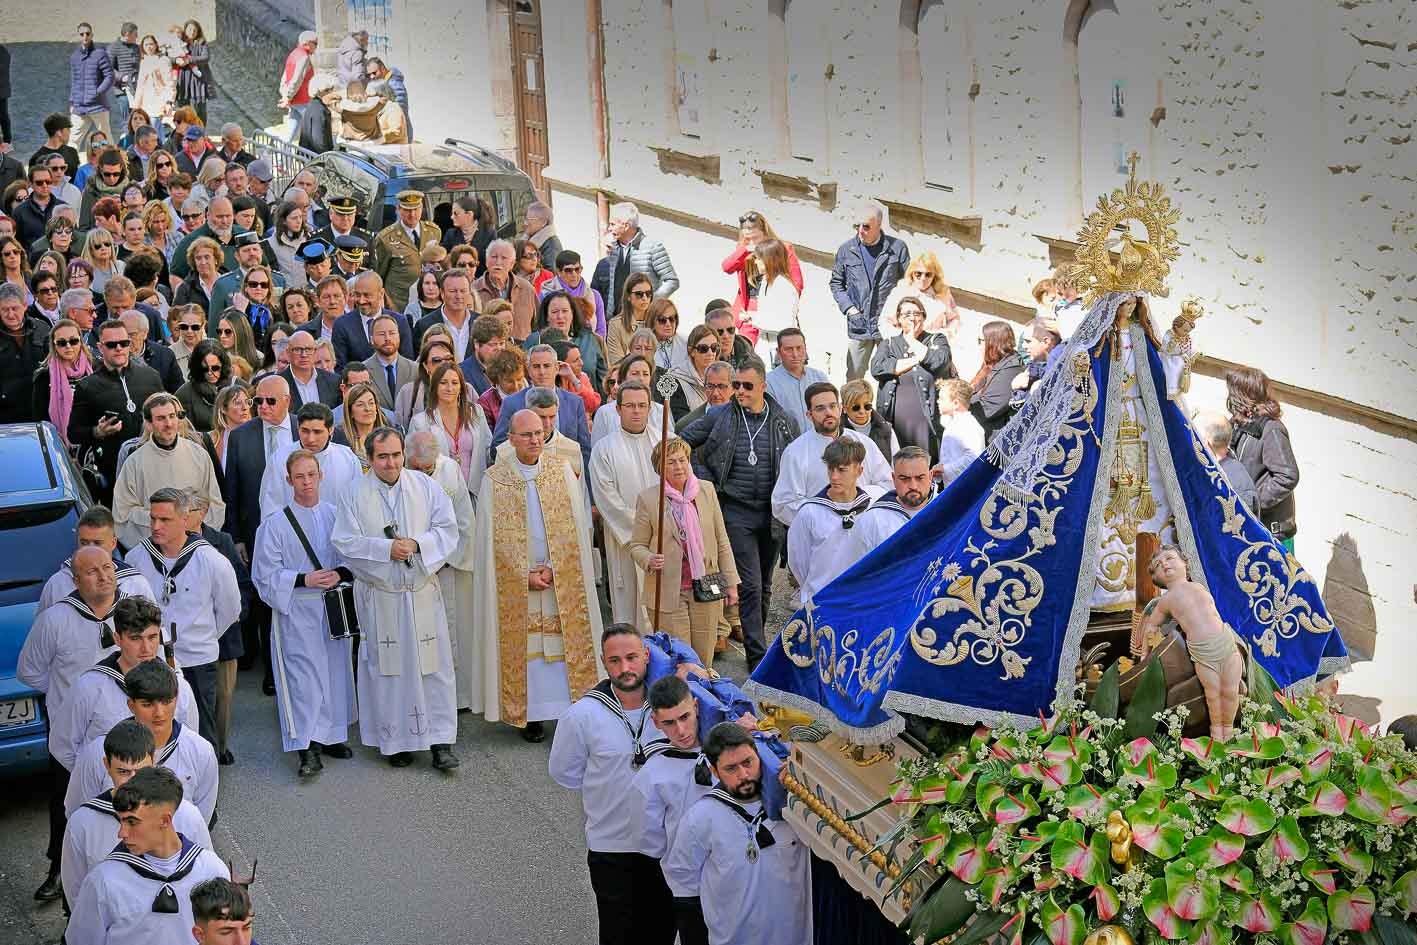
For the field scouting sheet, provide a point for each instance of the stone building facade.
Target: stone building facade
(1282, 128)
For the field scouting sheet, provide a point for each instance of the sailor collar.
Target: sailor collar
(848, 511)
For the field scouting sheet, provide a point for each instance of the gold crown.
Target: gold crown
(1140, 266)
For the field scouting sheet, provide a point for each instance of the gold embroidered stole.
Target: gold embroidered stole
(510, 541)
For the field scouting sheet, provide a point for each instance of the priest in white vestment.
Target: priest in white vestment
(538, 618)
(620, 469)
(313, 674)
(395, 529)
(339, 467)
(425, 454)
(803, 475)
(167, 459)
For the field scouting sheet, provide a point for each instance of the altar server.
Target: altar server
(819, 546)
(339, 467)
(152, 696)
(293, 567)
(750, 874)
(141, 892)
(620, 469)
(802, 475)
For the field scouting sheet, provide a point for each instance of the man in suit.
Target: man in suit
(456, 314)
(570, 415)
(342, 214)
(388, 369)
(489, 336)
(353, 331)
(158, 357)
(247, 449)
(397, 248)
(331, 297)
(308, 384)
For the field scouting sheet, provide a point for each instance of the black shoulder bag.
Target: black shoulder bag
(339, 600)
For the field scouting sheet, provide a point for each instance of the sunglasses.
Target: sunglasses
(706, 349)
(858, 408)
(40, 183)
(67, 342)
(162, 164)
(727, 332)
(572, 268)
(225, 331)
(267, 401)
(667, 320)
(194, 326)
(642, 293)
(110, 175)
(193, 216)
(253, 284)
(117, 345)
(744, 385)
(747, 218)
(212, 368)
(47, 290)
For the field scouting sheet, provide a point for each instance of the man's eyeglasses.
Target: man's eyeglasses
(117, 345)
(301, 349)
(722, 386)
(110, 175)
(745, 385)
(40, 183)
(267, 401)
(67, 342)
(727, 331)
(192, 326)
(823, 408)
(642, 293)
(706, 349)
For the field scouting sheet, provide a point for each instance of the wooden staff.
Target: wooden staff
(666, 387)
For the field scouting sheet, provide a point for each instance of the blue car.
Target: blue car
(42, 496)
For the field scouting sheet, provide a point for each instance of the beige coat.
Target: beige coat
(523, 303)
(617, 339)
(718, 553)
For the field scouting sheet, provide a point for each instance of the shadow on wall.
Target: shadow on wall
(1350, 604)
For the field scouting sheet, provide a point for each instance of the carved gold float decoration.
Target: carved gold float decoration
(1140, 266)
(848, 833)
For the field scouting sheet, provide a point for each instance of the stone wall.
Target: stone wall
(33, 22)
(264, 32)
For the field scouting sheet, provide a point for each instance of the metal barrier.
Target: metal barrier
(286, 159)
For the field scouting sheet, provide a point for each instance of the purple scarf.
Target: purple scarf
(686, 517)
(61, 393)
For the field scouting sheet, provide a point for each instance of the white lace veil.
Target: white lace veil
(1022, 447)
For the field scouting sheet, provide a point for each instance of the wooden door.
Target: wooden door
(532, 152)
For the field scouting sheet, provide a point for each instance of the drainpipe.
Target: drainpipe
(595, 41)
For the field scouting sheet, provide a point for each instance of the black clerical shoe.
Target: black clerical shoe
(310, 763)
(402, 759)
(268, 686)
(534, 732)
(226, 758)
(444, 759)
(50, 889)
(338, 750)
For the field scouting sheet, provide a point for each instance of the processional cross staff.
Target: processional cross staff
(666, 386)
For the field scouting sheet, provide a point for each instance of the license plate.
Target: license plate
(16, 712)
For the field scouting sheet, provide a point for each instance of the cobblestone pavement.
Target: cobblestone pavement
(39, 76)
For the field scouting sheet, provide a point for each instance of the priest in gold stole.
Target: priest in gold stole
(538, 619)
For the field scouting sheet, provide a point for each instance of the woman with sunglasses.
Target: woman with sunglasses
(360, 416)
(66, 363)
(61, 237)
(44, 289)
(161, 168)
(634, 309)
(208, 371)
(924, 279)
(255, 300)
(189, 329)
(204, 257)
(670, 349)
(905, 369)
(231, 409)
(234, 334)
(155, 89)
(528, 264)
(437, 351)
(15, 266)
(16, 192)
(703, 351)
(753, 229)
(858, 412)
(561, 312)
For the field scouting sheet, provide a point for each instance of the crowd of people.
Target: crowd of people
(429, 470)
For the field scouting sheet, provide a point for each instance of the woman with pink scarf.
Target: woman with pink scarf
(67, 362)
(696, 563)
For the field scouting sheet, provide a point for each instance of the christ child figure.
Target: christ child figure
(1211, 643)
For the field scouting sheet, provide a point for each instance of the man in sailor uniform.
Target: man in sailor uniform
(96, 527)
(197, 590)
(749, 874)
(98, 701)
(910, 476)
(802, 475)
(140, 894)
(819, 546)
(93, 829)
(152, 695)
(221, 913)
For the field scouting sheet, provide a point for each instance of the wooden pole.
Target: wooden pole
(1146, 545)
(659, 544)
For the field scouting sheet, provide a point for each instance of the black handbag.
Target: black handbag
(708, 588)
(339, 600)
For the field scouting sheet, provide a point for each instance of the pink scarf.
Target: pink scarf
(61, 393)
(686, 517)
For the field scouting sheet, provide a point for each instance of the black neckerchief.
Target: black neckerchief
(105, 636)
(165, 902)
(184, 557)
(702, 775)
(603, 694)
(848, 511)
(757, 829)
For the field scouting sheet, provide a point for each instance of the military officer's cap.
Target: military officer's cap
(410, 199)
(247, 238)
(350, 247)
(342, 204)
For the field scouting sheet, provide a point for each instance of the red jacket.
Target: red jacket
(295, 63)
(737, 263)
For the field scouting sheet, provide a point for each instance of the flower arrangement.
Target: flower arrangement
(1104, 827)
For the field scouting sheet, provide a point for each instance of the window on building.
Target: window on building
(690, 43)
(807, 59)
(946, 74)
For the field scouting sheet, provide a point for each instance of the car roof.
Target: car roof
(411, 160)
(32, 466)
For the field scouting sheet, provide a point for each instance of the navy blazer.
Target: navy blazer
(245, 465)
(474, 374)
(351, 344)
(164, 362)
(570, 419)
(326, 382)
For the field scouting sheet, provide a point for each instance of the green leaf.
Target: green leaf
(1406, 890)
(1323, 877)
(1189, 896)
(1257, 915)
(1154, 832)
(1356, 860)
(1311, 928)
(1014, 808)
(1073, 854)
(934, 837)
(1287, 843)
(1351, 910)
(1084, 801)
(1063, 926)
(1250, 818)
(1106, 901)
(1317, 763)
(1237, 876)
(1266, 749)
(1275, 777)
(1262, 688)
(997, 883)
(1394, 931)
(986, 795)
(1032, 839)
(942, 911)
(1210, 787)
(984, 927)
(1216, 847)
(1068, 748)
(1107, 700)
(1214, 932)
(1324, 799)
(1148, 699)
(1160, 914)
(1371, 801)
(1204, 748)
(965, 858)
